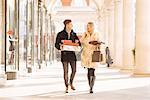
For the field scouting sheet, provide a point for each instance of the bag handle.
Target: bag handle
(97, 47)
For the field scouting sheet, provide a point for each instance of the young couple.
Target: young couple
(69, 57)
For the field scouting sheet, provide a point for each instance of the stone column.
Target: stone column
(1, 16)
(118, 36)
(2, 31)
(111, 30)
(128, 33)
(142, 37)
(106, 17)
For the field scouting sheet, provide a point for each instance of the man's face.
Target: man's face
(69, 26)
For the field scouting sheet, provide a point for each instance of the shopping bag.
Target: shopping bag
(97, 56)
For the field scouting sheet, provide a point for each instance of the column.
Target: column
(142, 37)
(118, 36)
(128, 33)
(111, 30)
(2, 31)
(1, 16)
(106, 26)
(101, 19)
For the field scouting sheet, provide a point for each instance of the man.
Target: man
(67, 57)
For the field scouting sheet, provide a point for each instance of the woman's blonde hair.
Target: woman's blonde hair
(91, 23)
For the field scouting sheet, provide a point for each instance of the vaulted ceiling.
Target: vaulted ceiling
(66, 3)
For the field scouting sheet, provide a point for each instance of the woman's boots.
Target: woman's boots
(91, 80)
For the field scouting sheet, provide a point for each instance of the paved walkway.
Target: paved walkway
(47, 84)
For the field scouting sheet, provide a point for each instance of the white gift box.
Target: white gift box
(71, 48)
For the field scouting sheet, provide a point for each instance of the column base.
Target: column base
(11, 75)
(2, 79)
(29, 70)
(142, 70)
(124, 70)
(141, 74)
(116, 67)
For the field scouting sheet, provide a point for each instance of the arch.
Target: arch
(53, 3)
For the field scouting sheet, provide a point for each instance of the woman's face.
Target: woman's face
(90, 27)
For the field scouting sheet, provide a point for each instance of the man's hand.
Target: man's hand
(61, 47)
(76, 41)
(62, 41)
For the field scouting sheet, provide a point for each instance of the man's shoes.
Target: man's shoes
(66, 90)
(72, 87)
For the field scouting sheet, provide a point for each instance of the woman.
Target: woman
(109, 60)
(11, 47)
(86, 55)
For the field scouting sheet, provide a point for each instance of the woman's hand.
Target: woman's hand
(94, 42)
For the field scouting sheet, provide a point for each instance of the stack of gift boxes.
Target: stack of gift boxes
(68, 45)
